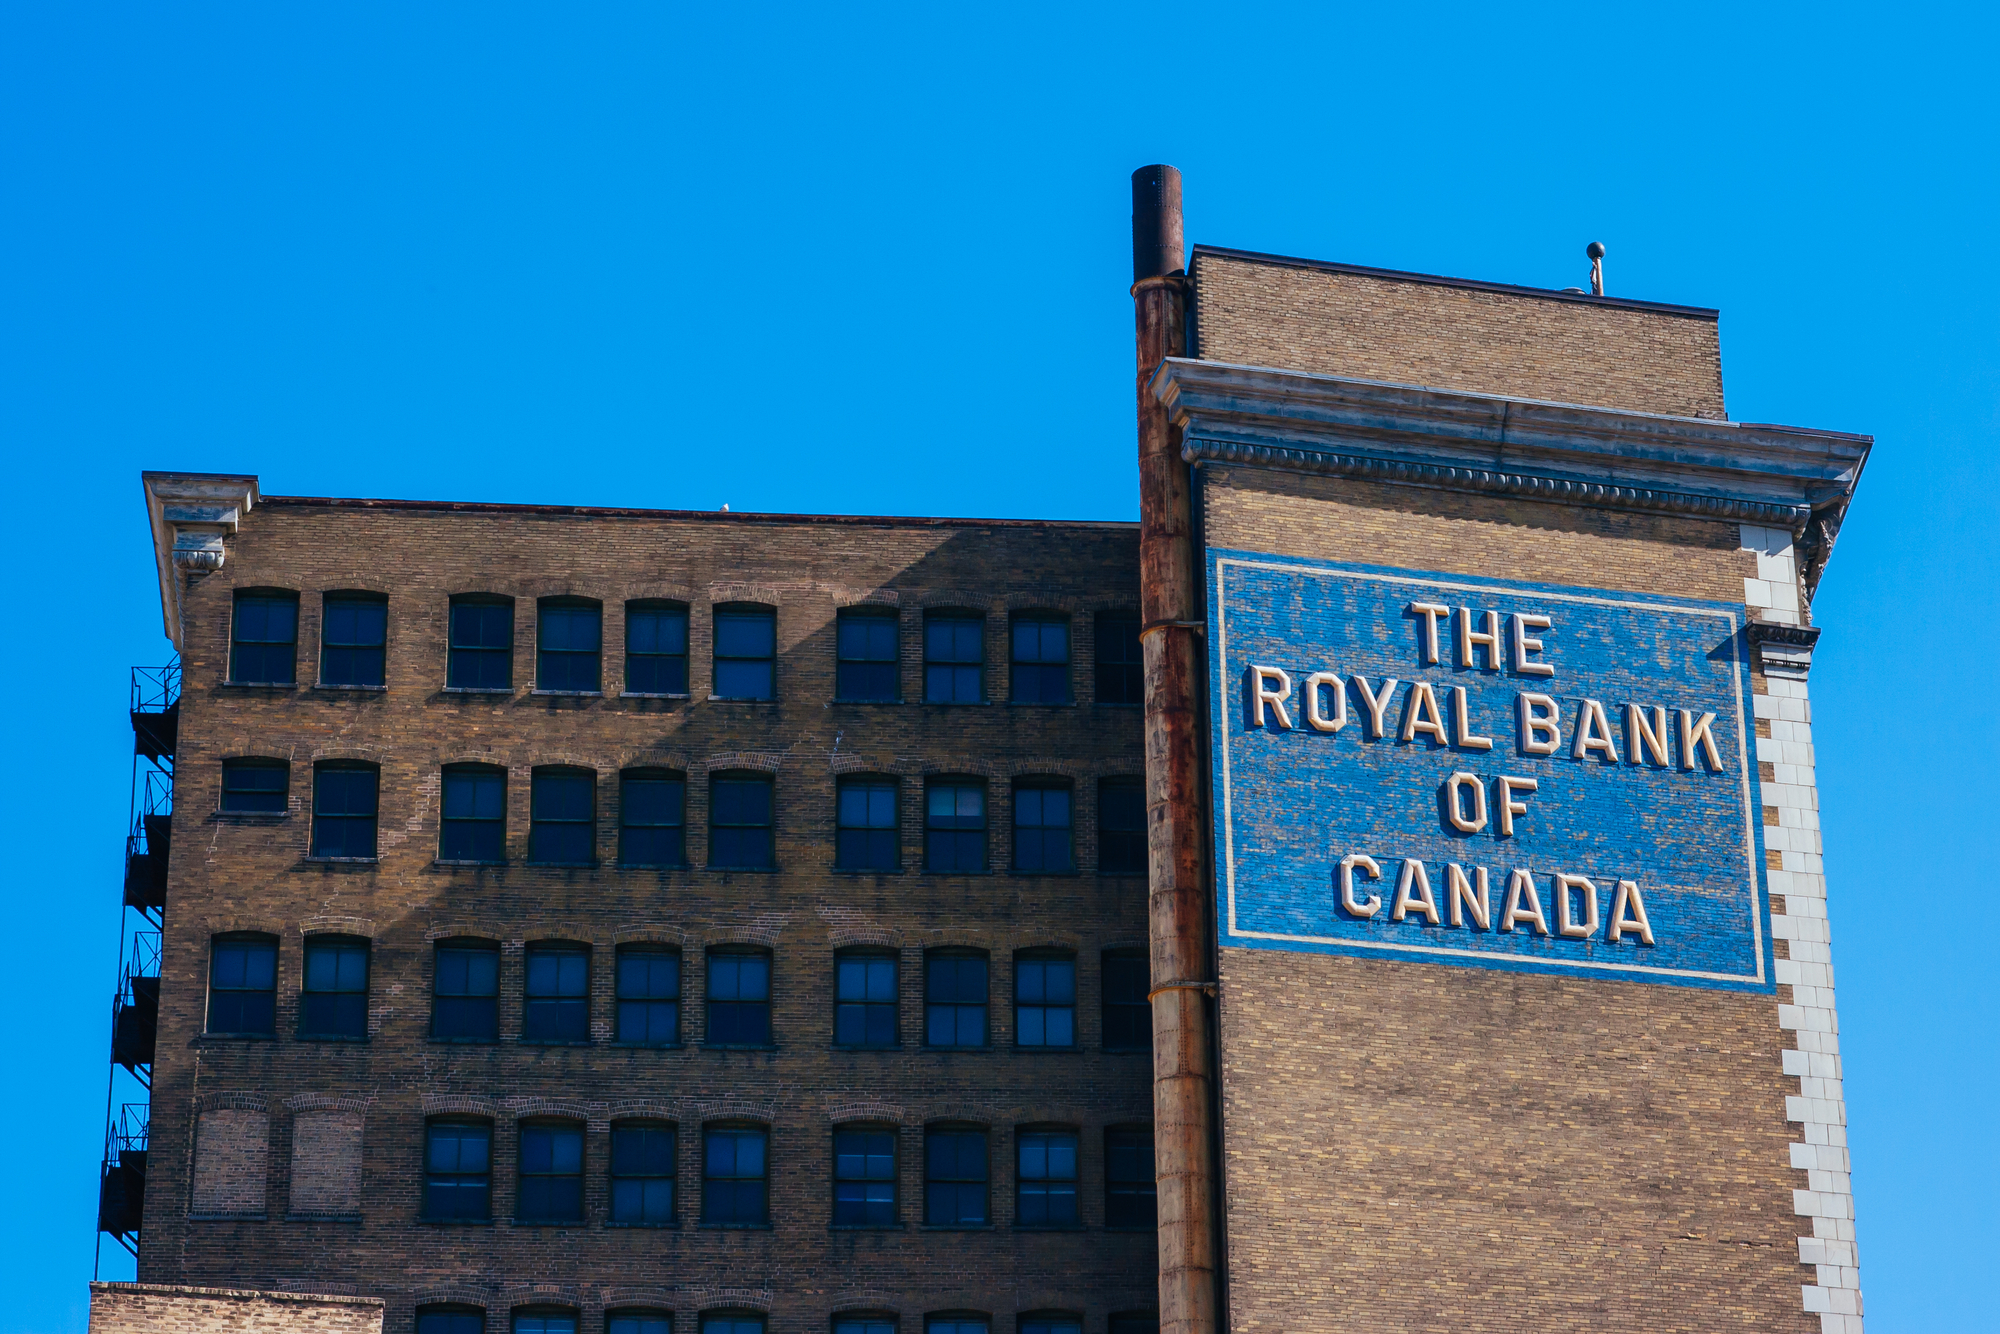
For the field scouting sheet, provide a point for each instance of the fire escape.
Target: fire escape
(135, 1008)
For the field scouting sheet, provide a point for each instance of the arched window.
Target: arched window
(243, 985)
(865, 1322)
(956, 1177)
(264, 637)
(1121, 826)
(865, 655)
(550, 1189)
(1130, 1194)
(255, 786)
(1044, 822)
(556, 992)
(649, 995)
(1049, 1322)
(1040, 657)
(865, 837)
(746, 642)
(458, 1170)
(1121, 666)
(480, 655)
(954, 657)
(345, 793)
(644, 1172)
(739, 996)
(732, 1322)
(739, 821)
(864, 1176)
(1045, 1176)
(353, 639)
(544, 1320)
(735, 1176)
(1128, 1015)
(473, 827)
(465, 1001)
(569, 646)
(450, 1320)
(562, 814)
(652, 818)
(638, 1322)
(333, 999)
(955, 826)
(865, 998)
(955, 998)
(1045, 999)
(656, 648)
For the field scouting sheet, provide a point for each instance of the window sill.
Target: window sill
(643, 1227)
(733, 1227)
(442, 861)
(928, 1047)
(1044, 875)
(218, 1039)
(655, 866)
(837, 700)
(322, 1218)
(856, 1046)
(857, 874)
(1049, 1227)
(739, 870)
(333, 689)
(649, 1046)
(1034, 1050)
(479, 690)
(741, 699)
(570, 694)
(563, 866)
(958, 703)
(260, 685)
(249, 817)
(652, 694)
(556, 1042)
(867, 1227)
(228, 1218)
(739, 1046)
(465, 1042)
(456, 1222)
(331, 1037)
(342, 861)
(1041, 704)
(547, 1222)
(956, 1227)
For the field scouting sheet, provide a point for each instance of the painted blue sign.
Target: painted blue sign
(1422, 766)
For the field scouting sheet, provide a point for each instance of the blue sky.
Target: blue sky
(876, 261)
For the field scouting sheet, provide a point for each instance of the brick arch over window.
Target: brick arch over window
(884, 1113)
(328, 924)
(459, 1104)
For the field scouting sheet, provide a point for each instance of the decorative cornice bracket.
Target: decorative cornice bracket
(190, 514)
(1784, 650)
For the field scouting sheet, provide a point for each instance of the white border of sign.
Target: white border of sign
(1486, 957)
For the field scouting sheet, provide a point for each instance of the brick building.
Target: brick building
(592, 920)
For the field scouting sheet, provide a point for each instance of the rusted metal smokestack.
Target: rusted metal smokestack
(1156, 224)
(1176, 834)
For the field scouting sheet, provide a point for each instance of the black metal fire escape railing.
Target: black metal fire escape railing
(135, 1006)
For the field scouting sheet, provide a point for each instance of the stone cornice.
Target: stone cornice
(1261, 417)
(190, 513)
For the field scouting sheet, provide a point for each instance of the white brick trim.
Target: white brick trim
(1819, 1107)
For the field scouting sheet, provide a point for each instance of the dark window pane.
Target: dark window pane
(333, 1002)
(864, 1178)
(643, 1169)
(242, 987)
(955, 828)
(545, 1322)
(734, 1177)
(652, 812)
(954, 657)
(1046, 1179)
(745, 642)
(655, 649)
(557, 1003)
(1128, 1015)
(457, 1168)
(1121, 827)
(628, 1322)
(1042, 830)
(1040, 649)
(1121, 673)
(481, 646)
(740, 823)
(473, 827)
(344, 811)
(865, 1001)
(649, 990)
(866, 653)
(466, 1004)
(352, 636)
(865, 839)
(955, 1178)
(264, 638)
(568, 652)
(255, 786)
(955, 1000)
(1045, 1002)
(1130, 1193)
(563, 810)
(739, 999)
(432, 1320)
(551, 1185)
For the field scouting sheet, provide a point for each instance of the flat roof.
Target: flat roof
(707, 516)
(1468, 284)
